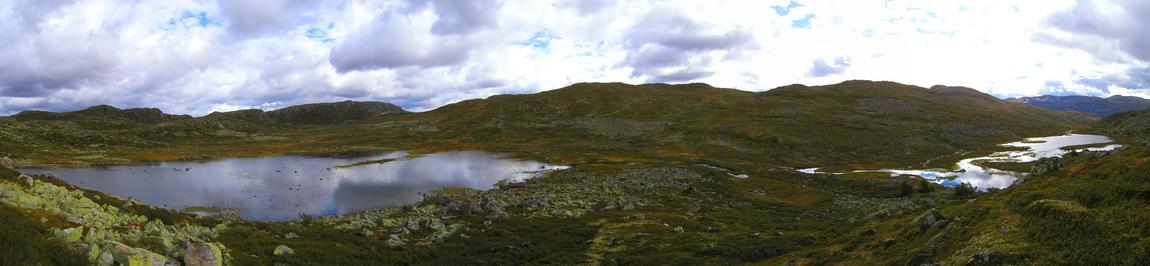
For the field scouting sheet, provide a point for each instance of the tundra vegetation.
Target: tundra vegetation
(650, 182)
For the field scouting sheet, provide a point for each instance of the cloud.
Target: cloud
(200, 56)
(821, 68)
(586, 7)
(461, 17)
(667, 46)
(1098, 25)
(396, 41)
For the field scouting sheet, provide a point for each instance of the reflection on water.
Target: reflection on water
(281, 188)
(984, 178)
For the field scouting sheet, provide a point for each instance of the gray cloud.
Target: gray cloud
(461, 17)
(586, 7)
(31, 12)
(391, 42)
(667, 46)
(821, 68)
(254, 18)
(1100, 26)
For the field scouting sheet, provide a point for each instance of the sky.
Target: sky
(199, 56)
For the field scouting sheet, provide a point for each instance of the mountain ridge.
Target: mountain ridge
(1087, 104)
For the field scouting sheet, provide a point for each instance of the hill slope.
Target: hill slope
(794, 125)
(1087, 104)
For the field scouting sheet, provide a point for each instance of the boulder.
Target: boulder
(71, 235)
(201, 253)
(126, 255)
(7, 162)
(283, 250)
(1046, 165)
(928, 219)
(563, 213)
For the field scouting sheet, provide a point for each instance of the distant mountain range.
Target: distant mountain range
(1087, 104)
(310, 114)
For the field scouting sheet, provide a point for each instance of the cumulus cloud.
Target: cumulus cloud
(667, 46)
(1111, 31)
(461, 17)
(821, 68)
(1101, 24)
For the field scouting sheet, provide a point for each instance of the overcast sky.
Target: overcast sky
(198, 56)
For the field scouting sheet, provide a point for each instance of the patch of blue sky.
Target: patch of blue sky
(949, 33)
(320, 34)
(803, 22)
(784, 10)
(190, 19)
(540, 40)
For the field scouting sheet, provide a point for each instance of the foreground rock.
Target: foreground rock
(203, 254)
(126, 255)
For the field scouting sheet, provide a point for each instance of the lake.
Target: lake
(983, 178)
(281, 188)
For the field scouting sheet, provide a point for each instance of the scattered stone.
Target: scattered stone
(694, 207)
(778, 233)
(614, 242)
(283, 250)
(678, 229)
(290, 235)
(368, 233)
(888, 242)
(201, 253)
(754, 235)
(712, 229)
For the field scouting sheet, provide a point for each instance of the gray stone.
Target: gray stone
(7, 162)
(1046, 165)
(201, 253)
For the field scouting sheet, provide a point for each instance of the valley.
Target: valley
(636, 174)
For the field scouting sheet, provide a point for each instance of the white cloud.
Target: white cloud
(191, 56)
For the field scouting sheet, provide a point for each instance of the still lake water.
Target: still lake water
(984, 178)
(281, 188)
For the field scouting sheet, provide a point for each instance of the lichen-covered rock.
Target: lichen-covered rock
(201, 253)
(126, 255)
(283, 250)
(70, 235)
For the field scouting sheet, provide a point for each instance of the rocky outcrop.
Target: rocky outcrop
(1046, 165)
